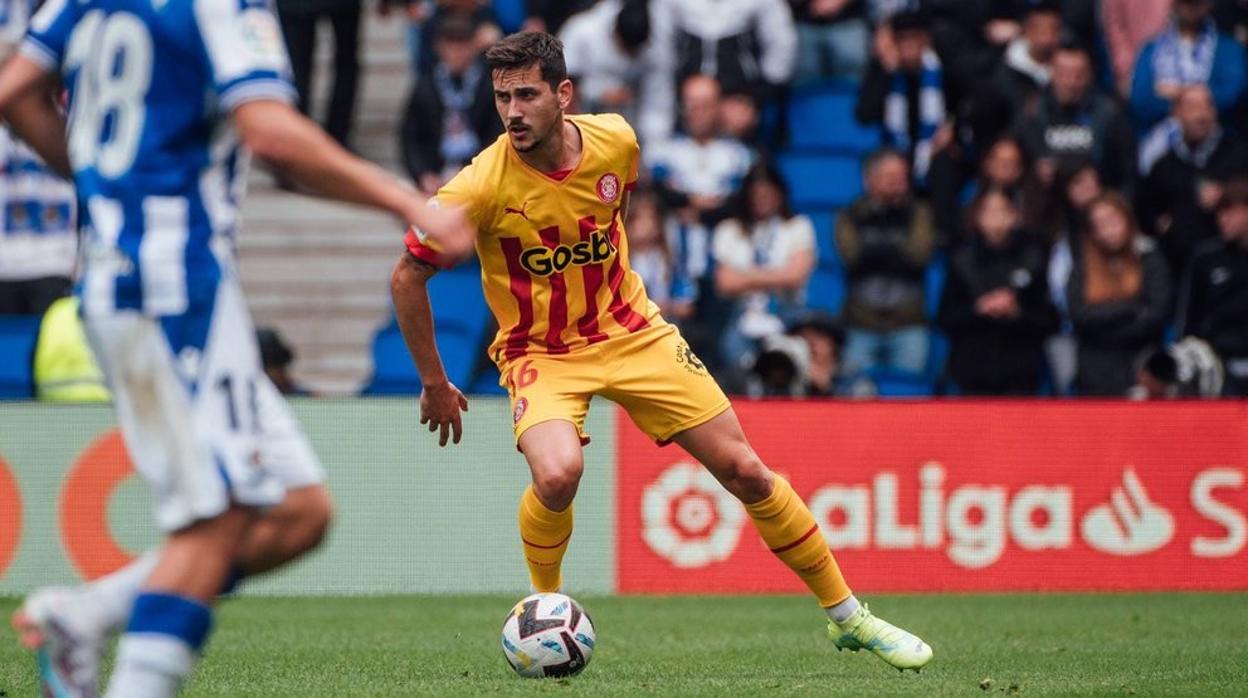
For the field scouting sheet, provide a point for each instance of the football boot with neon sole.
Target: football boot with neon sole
(863, 631)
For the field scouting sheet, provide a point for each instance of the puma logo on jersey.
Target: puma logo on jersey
(544, 261)
(517, 211)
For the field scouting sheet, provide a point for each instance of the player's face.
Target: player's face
(529, 108)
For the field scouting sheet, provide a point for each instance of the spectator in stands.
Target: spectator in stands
(1027, 64)
(414, 12)
(450, 114)
(1072, 121)
(1005, 167)
(695, 175)
(739, 120)
(744, 44)
(833, 37)
(1065, 220)
(885, 240)
(905, 91)
(996, 304)
(1190, 51)
(1128, 24)
(1187, 369)
(299, 19)
(650, 255)
(825, 374)
(764, 257)
(1119, 296)
(618, 66)
(1216, 298)
(38, 235)
(477, 12)
(276, 357)
(550, 15)
(1180, 196)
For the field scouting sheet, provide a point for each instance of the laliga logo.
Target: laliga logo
(689, 519)
(1130, 524)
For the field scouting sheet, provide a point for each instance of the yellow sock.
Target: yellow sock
(789, 529)
(545, 535)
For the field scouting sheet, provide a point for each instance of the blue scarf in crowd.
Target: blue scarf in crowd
(931, 113)
(1185, 65)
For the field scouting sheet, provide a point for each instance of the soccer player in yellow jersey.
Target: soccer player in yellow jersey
(547, 201)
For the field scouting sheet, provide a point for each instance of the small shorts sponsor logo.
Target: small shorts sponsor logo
(522, 404)
(609, 188)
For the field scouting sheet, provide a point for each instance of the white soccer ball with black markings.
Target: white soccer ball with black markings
(548, 635)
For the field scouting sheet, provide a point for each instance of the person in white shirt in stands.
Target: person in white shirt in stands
(764, 257)
(619, 67)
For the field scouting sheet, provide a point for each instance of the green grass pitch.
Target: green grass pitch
(1139, 644)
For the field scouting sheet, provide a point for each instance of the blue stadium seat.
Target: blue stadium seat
(934, 283)
(821, 181)
(825, 238)
(461, 320)
(822, 118)
(891, 383)
(826, 290)
(510, 14)
(18, 334)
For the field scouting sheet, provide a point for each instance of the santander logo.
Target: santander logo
(1129, 524)
(689, 520)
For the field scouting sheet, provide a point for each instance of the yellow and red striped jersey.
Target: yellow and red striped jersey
(553, 251)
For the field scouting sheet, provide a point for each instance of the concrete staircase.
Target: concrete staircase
(319, 271)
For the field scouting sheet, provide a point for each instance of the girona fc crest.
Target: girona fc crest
(608, 188)
(521, 405)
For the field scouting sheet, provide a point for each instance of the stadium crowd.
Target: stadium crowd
(1058, 206)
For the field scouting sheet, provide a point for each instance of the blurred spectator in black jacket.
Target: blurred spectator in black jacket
(1179, 197)
(833, 37)
(996, 304)
(1073, 121)
(450, 115)
(885, 240)
(477, 12)
(1024, 72)
(299, 19)
(550, 15)
(744, 44)
(1119, 296)
(1216, 303)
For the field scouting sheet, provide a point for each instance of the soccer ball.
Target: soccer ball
(548, 635)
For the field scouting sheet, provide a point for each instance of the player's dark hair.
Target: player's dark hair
(520, 51)
(632, 24)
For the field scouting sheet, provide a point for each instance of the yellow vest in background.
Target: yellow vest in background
(65, 367)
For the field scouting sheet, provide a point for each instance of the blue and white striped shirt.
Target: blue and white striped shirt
(158, 167)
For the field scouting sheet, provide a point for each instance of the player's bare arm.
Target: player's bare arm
(27, 102)
(278, 134)
(440, 401)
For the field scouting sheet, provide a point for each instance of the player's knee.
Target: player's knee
(556, 482)
(747, 477)
(313, 514)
